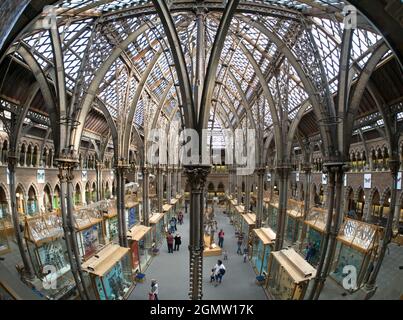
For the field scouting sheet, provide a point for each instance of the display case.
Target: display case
(46, 248)
(141, 247)
(273, 213)
(89, 231)
(158, 228)
(263, 242)
(168, 212)
(288, 276)
(110, 217)
(357, 243)
(266, 207)
(232, 210)
(295, 215)
(239, 210)
(248, 222)
(316, 225)
(111, 273)
(4, 244)
(132, 214)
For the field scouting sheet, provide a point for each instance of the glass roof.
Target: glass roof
(89, 36)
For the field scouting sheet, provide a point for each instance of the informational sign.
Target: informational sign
(297, 177)
(131, 217)
(324, 178)
(399, 180)
(367, 180)
(40, 176)
(269, 177)
(84, 176)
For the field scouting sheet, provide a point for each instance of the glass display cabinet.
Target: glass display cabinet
(295, 214)
(110, 215)
(239, 210)
(263, 242)
(4, 244)
(273, 213)
(167, 210)
(266, 207)
(132, 215)
(47, 250)
(232, 210)
(288, 276)
(111, 273)
(248, 222)
(158, 228)
(141, 247)
(316, 225)
(357, 244)
(88, 226)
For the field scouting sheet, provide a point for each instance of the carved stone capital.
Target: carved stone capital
(197, 175)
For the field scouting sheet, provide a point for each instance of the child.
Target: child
(245, 256)
(212, 275)
(225, 254)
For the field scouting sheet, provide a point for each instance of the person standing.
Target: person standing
(170, 242)
(154, 290)
(178, 242)
(180, 217)
(221, 238)
(219, 271)
(239, 242)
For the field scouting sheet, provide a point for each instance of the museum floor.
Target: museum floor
(171, 271)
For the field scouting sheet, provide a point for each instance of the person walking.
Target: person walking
(219, 271)
(153, 295)
(172, 227)
(239, 243)
(178, 242)
(180, 217)
(221, 238)
(170, 242)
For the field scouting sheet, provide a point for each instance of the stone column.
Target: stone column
(282, 172)
(247, 193)
(99, 180)
(66, 207)
(160, 188)
(196, 175)
(169, 184)
(238, 187)
(259, 205)
(12, 162)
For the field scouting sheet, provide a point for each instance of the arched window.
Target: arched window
(56, 197)
(19, 194)
(87, 193)
(77, 195)
(94, 192)
(4, 212)
(4, 152)
(47, 199)
(376, 206)
(35, 156)
(29, 156)
(22, 155)
(32, 204)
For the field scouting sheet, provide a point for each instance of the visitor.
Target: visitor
(239, 242)
(180, 217)
(221, 238)
(172, 227)
(170, 242)
(225, 254)
(219, 271)
(212, 275)
(178, 242)
(153, 295)
(245, 254)
(175, 222)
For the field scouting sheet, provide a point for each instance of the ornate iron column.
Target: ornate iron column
(160, 187)
(259, 205)
(307, 198)
(283, 172)
(99, 179)
(66, 177)
(146, 186)
(196, 175)
(12, 162)
(120, 171)
(247, 193)
(169, 184)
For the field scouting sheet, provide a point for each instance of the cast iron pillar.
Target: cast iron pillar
(196, 175)
(259, 205)
(370, 286)
(283, 173)
(160, 188)
(146, 186)
(66, 167)
(12, 162)
(169, 184)
(247, 193)
(99, 180)
(120, 170)
(307, 198)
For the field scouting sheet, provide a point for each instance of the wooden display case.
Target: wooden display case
(4, 243)
(273, 213)
(248, 224)
(295, 215)
(263, 242)
(158, 228)
(141, 247)
(357, 243)
(111, 273)
(288, 276)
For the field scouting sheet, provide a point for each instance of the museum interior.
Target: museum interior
(262, 133)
